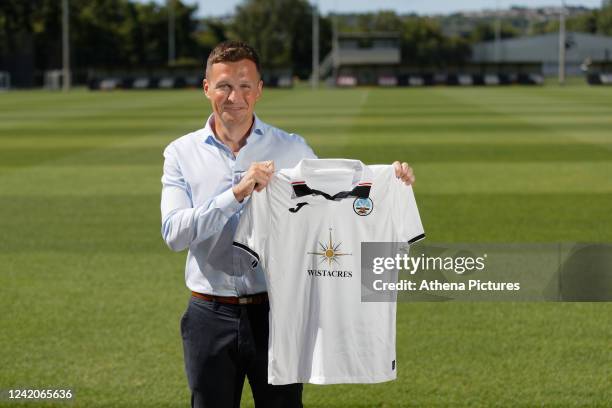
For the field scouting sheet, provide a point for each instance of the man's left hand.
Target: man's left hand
(404, 172)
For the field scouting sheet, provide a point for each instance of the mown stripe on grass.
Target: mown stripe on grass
(131, 224)
(468, 153)
(360, 148)
(316, 139)
(432, 178)
(515, 217)
(519, 178)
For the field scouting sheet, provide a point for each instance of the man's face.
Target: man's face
(233, 88)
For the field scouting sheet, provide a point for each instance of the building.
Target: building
(582, 51)
(362, 58)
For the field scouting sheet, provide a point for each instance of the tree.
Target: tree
(425, 44)
(281, 31)
(584, 23)
(120, 33)
(98, 35)
(604, 21)
(387, 21)
(485, 31)
(212, 32)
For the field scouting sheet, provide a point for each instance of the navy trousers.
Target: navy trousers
(222, 345)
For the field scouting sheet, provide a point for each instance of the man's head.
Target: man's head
(233, 83)
(232, 51)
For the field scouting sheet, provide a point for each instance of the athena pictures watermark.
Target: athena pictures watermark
(393, 271)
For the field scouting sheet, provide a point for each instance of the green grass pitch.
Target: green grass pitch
(91, 297)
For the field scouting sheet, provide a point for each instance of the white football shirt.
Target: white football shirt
(305, 229)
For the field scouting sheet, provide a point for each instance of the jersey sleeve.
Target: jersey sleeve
(252, 231)
(406, 214)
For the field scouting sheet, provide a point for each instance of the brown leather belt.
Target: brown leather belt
(255, 299)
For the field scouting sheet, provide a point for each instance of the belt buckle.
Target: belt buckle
(244, 300)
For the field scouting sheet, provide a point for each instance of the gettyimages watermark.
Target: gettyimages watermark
(392, 271)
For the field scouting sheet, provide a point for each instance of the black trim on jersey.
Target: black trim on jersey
(302, 190)
(246, 248)
(417, 238)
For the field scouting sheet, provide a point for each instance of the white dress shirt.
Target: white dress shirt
(199, 210)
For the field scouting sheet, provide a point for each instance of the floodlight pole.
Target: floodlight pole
(335, 51)
(315, 46)
(562, 45)
(65, 47)
(171, 33)
(497, 33)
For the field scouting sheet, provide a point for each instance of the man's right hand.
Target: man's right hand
(256, 178)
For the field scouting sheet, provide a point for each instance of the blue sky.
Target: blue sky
(223, 7)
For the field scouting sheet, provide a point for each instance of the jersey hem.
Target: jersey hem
(335, 380)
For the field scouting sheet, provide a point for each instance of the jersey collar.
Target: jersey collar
(362, 178)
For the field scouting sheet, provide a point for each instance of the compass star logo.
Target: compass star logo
(330, 251)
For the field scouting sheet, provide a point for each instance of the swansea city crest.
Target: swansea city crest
(363, 206)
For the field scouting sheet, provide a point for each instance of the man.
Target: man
(208, 174)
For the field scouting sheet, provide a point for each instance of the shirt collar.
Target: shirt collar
(209, 136)
(361, 184)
